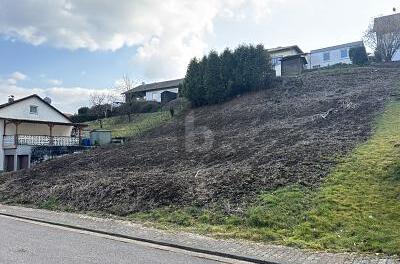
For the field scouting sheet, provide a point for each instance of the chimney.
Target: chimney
(11, 98)
(47, 100)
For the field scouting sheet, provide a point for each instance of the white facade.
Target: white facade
(156, 95)
(21, 110)
(331, 55)
(396, 56)
(27, 122)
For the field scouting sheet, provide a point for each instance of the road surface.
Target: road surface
(24, 242)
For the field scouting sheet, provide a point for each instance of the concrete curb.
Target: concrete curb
(160, 243)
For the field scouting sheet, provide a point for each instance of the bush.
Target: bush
(179, 105)
(137, 107)
(358, 55)
(378, 56)
(219, 77)
(83, 110)
(81, 118)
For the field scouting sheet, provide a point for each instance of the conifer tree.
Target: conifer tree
(215, 89)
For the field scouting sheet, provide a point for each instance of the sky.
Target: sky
(70, 49)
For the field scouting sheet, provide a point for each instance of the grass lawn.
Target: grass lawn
(357, 208)
(121, 127)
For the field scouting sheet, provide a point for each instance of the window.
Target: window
(33, 109)
(316, 66)
(344, 53)
(276, 61)
(327, 56)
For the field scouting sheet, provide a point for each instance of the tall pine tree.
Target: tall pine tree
(227, 71)
(192, 85)
(215, 90)
(216, 78)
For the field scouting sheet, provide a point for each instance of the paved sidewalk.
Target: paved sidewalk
(269, 253)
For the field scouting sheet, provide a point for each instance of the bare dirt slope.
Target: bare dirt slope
(260, 141)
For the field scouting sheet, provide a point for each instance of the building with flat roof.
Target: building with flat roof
(331, 55)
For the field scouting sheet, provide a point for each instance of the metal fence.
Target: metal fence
(13, 140)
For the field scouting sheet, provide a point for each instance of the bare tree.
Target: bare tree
(383, 36)
(97, 101)
(125, 85)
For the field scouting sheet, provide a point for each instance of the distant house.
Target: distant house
(32, 122)
(277, 54)
(331, 55)
(159, 91)
(386, 25)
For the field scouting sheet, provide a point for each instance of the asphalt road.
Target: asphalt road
(30, 243)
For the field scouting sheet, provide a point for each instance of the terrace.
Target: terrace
(38, 133)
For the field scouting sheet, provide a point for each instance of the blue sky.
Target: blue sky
(79, 67)
(68, 49)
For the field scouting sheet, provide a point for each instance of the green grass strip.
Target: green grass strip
(357, 208)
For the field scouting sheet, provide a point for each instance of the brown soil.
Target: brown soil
(259, 141)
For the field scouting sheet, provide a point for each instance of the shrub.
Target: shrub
(378, 56)
(219, 77)
(358, 55)
(83, 110)
(81, 118)
(136, 107)
(179, 105)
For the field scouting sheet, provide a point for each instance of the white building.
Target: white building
(331, 55)
(385, 28)
(158, 92)
(277, 54)
(30, 122)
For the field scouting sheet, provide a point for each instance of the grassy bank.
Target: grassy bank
(139, 123)
(357, 208)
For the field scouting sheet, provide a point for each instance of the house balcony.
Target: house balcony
(12, 141)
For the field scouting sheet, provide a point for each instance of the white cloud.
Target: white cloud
(55, 82)
(167, 33)
(65, 99)
(18, 76)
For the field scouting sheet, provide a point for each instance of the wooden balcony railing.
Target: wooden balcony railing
(11, 141)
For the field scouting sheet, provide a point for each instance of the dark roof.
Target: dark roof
(350, 44)
(385, 24)
(285, 48)
(156, 86)
(40, 98)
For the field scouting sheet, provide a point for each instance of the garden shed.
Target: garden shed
(293, 65)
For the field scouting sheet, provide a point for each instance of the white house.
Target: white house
(331, 55)
(277, 54)
(159, 91)
(386, 29)
(30, 122)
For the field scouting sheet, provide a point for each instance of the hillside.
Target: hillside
(293, 133)
(138, 124)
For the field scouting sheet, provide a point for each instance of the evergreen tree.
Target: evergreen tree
(265, 71)
(192, 85)
(215, 90)
(239, 81)
(227, 71)
(216, 78)
(358, 55)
